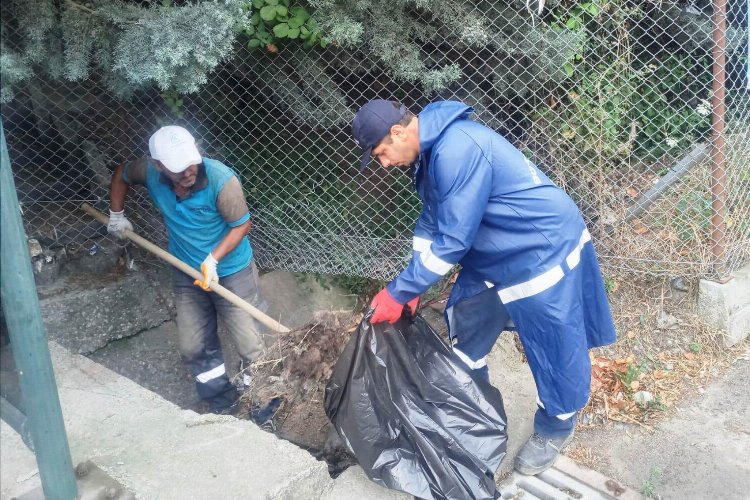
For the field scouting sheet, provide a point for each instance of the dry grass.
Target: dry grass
(674, 235)
(586, 456)
(663, 353)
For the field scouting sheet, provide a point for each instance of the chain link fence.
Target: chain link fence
(611, 99)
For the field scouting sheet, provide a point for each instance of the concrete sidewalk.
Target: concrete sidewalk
(159, 451)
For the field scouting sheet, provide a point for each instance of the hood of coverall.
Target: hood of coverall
(434, 119)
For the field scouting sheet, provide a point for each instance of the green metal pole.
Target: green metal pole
(29, 343)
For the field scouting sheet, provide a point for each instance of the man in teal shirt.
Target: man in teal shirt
(207, 222)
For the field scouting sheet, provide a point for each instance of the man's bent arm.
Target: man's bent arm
(231, 240)
(118, 189)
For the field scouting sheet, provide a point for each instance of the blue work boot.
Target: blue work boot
(539, 453)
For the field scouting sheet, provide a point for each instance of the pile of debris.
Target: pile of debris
(293, 373)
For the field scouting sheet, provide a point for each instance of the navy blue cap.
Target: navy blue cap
(372, 123)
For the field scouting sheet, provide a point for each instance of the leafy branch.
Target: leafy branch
(276, 21)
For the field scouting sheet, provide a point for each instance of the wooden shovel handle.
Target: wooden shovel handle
(194, 273)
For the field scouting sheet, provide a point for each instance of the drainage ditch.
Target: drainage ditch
(292, 372)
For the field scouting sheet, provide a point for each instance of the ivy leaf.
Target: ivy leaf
(573, 23)
(268, 13)
(303, 30)
(255, 18)
(296, 22)
(281, 10)
(250, 30)
(300, 12)
(265, 37)
(293, 33)
(272, 2)
(568, 68)
(324, 42)
(258, 3)
(281, 30)
(253, 44)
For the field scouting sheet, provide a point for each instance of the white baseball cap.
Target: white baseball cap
(174, 147)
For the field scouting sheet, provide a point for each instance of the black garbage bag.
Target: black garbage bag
(413, 415)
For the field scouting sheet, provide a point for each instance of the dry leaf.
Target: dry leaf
(638, 227)
(569, 133)
(632, 192)
(595, 385)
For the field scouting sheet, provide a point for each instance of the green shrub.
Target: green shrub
(671, 105)
(275, 21)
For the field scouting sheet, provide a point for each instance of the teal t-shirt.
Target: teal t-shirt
(194, 224)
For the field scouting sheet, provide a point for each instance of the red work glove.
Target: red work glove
(387, 309)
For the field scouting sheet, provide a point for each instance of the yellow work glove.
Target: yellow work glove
(208, 268)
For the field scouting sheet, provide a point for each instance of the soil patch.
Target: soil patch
(294, 370)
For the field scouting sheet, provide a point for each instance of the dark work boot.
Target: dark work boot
(539, 453)
(226, 403)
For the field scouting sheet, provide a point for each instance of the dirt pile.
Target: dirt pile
(295, 370)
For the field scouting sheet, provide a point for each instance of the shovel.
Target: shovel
(193, 273)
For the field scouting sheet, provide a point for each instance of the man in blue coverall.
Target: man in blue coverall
(207, 221)
(526, 257)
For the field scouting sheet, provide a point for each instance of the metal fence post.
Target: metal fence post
(29, 343)
(718, 141)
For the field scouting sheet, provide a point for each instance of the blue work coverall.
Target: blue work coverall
(524, 250)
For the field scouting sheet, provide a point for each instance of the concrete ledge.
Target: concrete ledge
(726, 306)
(18, 470)
(86, 314)
(157, 450)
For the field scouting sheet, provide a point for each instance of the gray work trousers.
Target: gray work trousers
(198, 315)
